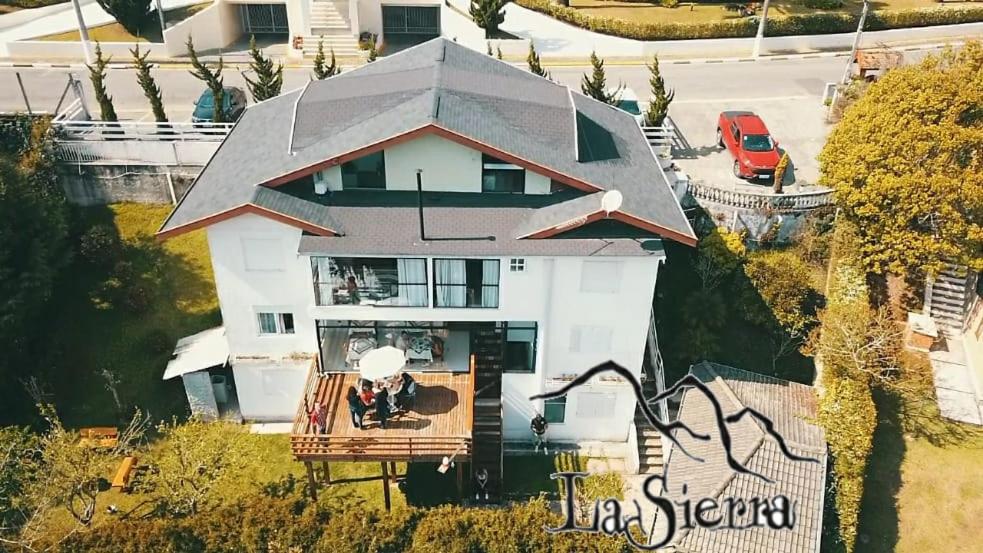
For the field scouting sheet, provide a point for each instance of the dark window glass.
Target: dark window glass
(555, 410)
(288, 323)
(499, 176)
(365, 172)
(520, 346)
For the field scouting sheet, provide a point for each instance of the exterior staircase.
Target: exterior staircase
(486, 345)
(650, 456)
(330, 23)
(948, 296)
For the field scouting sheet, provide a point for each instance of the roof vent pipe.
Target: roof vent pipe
(320, 183)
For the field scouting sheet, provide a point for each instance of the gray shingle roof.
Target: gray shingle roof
(437, 83)
(793, 408)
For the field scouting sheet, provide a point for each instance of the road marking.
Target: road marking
(739, 100)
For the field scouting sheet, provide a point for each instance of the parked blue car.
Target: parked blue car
(233, 103)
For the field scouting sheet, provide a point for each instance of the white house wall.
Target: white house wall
(577, 328)
(447, 166)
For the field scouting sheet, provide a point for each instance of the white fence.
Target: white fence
(136, 143)
(755, 201)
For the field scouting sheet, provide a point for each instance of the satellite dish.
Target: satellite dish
(611, 201)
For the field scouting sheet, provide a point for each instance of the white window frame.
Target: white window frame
(279, 318)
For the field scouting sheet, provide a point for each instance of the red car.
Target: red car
(746, 136)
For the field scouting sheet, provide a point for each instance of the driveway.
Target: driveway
(796, 122)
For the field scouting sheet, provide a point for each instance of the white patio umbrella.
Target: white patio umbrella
(381, 363)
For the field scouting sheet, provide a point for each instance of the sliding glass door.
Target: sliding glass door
(466, 282)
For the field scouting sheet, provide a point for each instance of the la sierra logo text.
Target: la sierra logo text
(776, 512)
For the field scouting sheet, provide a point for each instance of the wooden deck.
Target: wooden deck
(439, 425)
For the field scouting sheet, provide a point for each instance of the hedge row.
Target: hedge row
(846, 410)
(264, 525)
(808, 24)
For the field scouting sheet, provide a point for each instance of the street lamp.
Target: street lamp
(856, 44)
(761, 31)
(83, 32)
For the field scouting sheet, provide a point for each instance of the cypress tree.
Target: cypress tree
(595, 86)
(661, 98)
(213, 79)
(324, 70)
(498, 52)
(148, 84)
(268, 81)
(97, 75)
(488, 15)
(533, 60)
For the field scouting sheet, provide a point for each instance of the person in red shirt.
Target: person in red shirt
(316, 416)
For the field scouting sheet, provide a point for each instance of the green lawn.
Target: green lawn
(89, 334)
(922, 491)
(704, 12)
(354, 483)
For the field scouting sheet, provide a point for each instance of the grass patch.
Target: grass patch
(270, 464)
(641, 12)
(921, 491)
(114, 32)
(529, 475)
(89, 334)
(110, 32)
(14, 5)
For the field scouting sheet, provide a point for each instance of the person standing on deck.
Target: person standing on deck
(355, 407)
(539, 427)
(315, 416)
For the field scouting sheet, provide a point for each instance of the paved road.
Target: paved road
(786, 93)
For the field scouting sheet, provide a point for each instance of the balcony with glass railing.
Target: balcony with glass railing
(370, 281)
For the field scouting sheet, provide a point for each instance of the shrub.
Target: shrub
(669, 3)
(137, 298)
(781, 279)
(100, 245)
(847, 413)
(815, 23)
(824, 4)
(157, 341)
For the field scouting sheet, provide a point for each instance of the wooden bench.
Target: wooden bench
(124, 473)
(99, 436)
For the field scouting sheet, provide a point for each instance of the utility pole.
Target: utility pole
(160, 14)
(761, 31)
(856, 43)
(83, 32)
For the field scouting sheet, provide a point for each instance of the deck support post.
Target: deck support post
(392, 470)
(327, 473)
(310, 479)
(460, 480)
(385, 485)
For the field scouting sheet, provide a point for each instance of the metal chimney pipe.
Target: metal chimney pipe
(419, 202)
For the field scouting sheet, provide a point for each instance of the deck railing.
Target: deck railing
(137, 143)
(752, 200)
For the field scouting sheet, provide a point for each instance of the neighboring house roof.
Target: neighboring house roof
(793, 409)
(438, 88)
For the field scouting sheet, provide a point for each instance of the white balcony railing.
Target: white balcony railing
(751, 200)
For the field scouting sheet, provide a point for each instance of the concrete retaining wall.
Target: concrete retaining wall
(212, 28)
(105, 184)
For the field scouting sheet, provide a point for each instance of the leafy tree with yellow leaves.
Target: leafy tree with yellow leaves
(906, 165)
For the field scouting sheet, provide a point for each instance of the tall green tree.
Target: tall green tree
(131, 14)
(906, 168)
(212, 79)
(34, 249)
(324, 70)
(488, 15)
(596, 85)
(97, 74)
(148, 84)
(533, 61)
(269, 79)
(661, 98)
